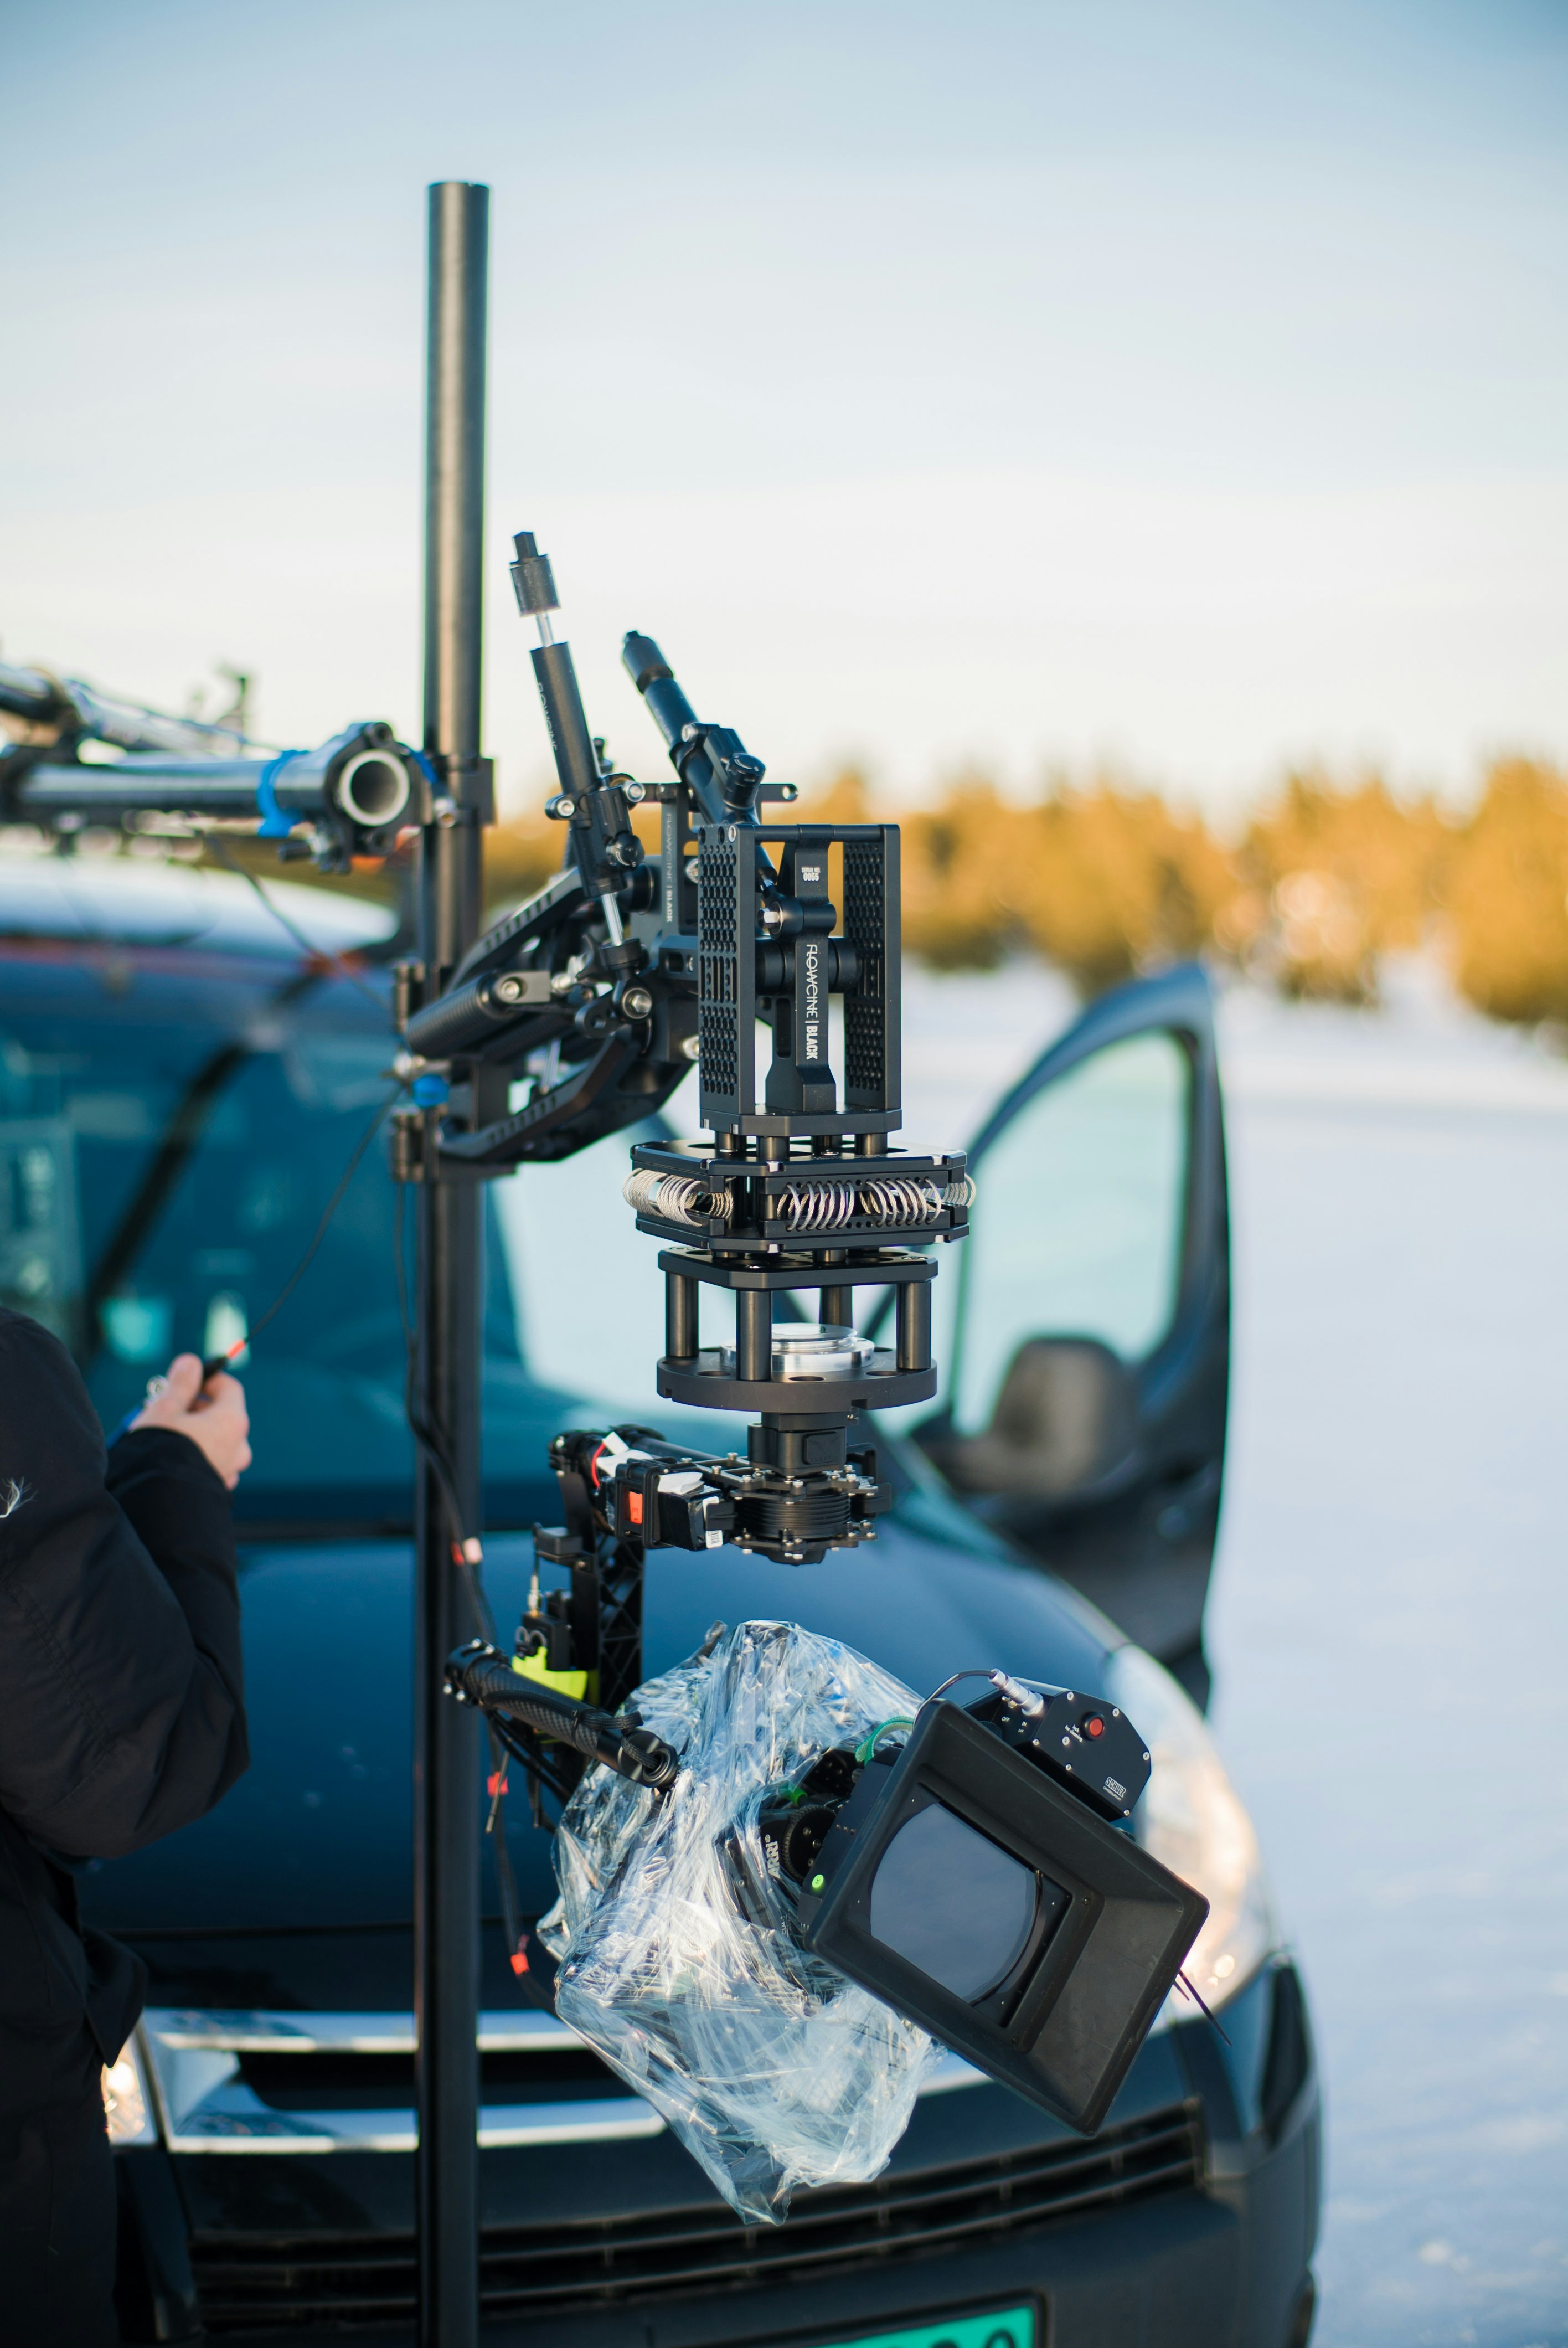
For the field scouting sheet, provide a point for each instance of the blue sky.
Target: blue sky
(1178, 386)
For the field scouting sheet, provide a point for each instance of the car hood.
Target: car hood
(317, 1835)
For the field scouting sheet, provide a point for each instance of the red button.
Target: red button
(1093, 1726)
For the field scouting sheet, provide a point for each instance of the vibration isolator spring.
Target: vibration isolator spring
(901, 1199)
(819, 1206)
(898, 1202)
(675, 1198)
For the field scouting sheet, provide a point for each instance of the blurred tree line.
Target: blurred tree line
(1106, 879)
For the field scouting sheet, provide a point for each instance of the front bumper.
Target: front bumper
(1190, 2219)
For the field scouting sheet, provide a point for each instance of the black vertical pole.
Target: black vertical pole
(446, 1741)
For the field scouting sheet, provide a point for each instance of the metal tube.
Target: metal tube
(836, 1306)
(362, 774)
(912, 1324)
(224, 786)
(570, 739)
(447, 1742)
(680, 1317)
(455, 466)
(753, 1333)
(467, 1017)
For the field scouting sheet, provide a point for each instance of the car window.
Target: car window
(1078, 1214)
(172, 1128)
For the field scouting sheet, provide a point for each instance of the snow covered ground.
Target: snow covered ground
(1389, 1613)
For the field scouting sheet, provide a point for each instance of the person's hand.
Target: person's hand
(213, 1416)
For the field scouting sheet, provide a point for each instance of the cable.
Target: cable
(1188, 1989)
(221, 1360)
(505, 1880)
(340, 963)
(465, 1549)
(332, 1204)
(216, 1362)
(953, 1681)
(467, 1556)
(405, 1312)
(864, 1751)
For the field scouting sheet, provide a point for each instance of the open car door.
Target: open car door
(1089, 1362)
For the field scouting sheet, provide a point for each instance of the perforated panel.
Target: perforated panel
(719, 977)
(871, 1012)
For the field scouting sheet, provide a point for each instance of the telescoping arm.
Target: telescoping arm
(363, 777)
(355, 792)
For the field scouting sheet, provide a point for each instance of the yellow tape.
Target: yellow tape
(583, 1685)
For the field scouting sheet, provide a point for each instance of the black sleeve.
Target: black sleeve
(122, 1709)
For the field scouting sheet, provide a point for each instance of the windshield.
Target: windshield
(173, 1126)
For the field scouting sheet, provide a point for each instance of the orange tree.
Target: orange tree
(1332, 879)
(1507, 897)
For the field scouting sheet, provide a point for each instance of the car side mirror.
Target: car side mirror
(1065, 1417)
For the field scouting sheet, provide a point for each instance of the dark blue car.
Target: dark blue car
(180, 1088)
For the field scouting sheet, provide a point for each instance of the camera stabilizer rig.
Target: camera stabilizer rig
(968, 1877)
(600, 991)
(598, 995)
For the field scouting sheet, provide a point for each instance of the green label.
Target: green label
(1008, 2327)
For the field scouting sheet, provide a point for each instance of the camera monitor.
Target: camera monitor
(971, 1891)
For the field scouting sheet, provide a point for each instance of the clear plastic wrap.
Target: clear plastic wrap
(773, 2070)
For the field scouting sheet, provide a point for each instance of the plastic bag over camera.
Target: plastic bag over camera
(773, 2070)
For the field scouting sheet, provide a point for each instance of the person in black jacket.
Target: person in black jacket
(122, 1716)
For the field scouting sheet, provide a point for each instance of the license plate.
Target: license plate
(1001, 2327)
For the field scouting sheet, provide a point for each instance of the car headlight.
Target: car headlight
(1193, 1820)
(128, 2106)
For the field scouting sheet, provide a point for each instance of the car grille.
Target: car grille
(248, 2281)
(257, 2083)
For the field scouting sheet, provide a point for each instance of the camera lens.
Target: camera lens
(953, 1903)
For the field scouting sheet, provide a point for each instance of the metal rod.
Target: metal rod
(362, 775)
(455, 466)
(835, 1307)
(446, 1743)
(912, 1325)
(222, 787)
(753, 1333)
(680, 1316)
